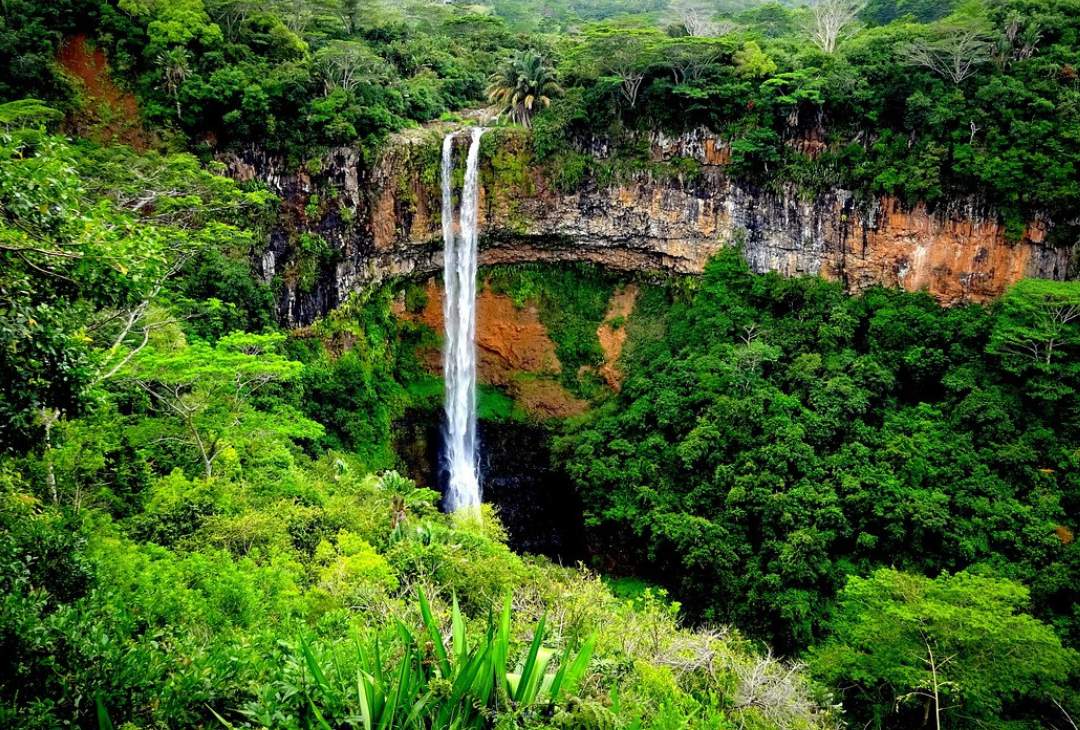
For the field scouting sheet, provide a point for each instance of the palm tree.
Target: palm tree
(175, 70)
(522, 86)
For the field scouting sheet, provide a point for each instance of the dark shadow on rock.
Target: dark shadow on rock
(535, 499)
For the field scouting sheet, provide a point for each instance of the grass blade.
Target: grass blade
(501, 650)
(418, 710)
(403, 690)
(366, 710)
(313, 665)
(530, 661)
(568, 680)
(485, 676)
(560, 674)
(538, 676)
(461, 649)
(323, 724)
(220, 719)
(436, 636)
(104, 723)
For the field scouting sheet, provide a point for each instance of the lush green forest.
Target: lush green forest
(803, 509)
(776, 436)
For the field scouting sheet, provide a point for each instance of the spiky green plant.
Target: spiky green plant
(522, 86)
(421, 682)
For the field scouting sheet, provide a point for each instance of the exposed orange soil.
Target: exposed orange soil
(612, 337)
(511, 343)
(509, 340)
(109, 113)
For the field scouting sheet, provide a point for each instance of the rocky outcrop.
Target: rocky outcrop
(382, 220)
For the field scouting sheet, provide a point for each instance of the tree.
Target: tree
(175, 69)
(752, 62)
(795, 90)
(297, 14)
(175, 24)
(522, 86)
(230, 15)
(957, 646)
(832, 20)
(70, 270)
(955, 55)
(1017, 41)
(26, 114)
(689, 57)
(1039, 322)
(204, 392)
(350, 12)
(624, 55)
(1037, 335)
(346, 64)
(696, 17)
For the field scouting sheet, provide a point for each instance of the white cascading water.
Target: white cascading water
(459, 313)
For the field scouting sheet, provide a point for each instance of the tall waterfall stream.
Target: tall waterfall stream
(459, 313)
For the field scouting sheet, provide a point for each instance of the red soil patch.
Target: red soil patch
(509, 340)
(109, 114)
(515, 351)
(612, 333)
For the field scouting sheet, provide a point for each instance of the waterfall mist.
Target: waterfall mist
(459, 313)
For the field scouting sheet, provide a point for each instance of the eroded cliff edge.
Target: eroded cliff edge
(348, 223)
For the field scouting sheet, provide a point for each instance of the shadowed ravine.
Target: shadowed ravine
(535, 499)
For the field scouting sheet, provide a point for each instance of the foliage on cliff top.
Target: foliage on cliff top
(981, 103)
(981, 100)
(288, 76)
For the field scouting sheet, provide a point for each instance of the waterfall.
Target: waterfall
(459, 313)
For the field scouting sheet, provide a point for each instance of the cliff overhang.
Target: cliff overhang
(381, 221)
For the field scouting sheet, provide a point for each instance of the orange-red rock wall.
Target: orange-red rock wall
(383, 220)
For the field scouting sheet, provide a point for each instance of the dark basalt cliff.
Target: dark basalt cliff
(381, 220)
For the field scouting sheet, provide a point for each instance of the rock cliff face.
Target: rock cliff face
(514, 351)
(382, 220)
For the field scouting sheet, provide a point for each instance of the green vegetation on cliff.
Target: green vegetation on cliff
(572, 301)
(983, 102)
(925, 102)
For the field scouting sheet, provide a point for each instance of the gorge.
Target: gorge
(540, 364)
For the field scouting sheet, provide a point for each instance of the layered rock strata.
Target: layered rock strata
(381, 220)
